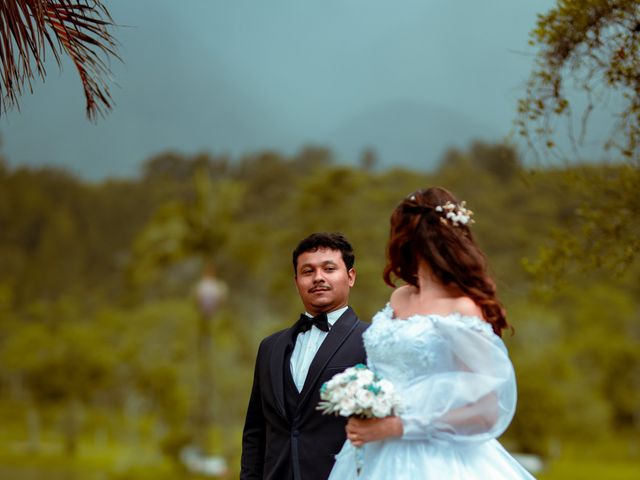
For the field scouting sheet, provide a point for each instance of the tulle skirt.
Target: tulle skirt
(397, 459)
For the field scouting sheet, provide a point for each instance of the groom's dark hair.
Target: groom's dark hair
(330, 240)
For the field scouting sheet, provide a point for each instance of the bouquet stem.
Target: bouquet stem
(359, 453)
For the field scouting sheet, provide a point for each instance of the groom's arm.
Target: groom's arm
(254, 434)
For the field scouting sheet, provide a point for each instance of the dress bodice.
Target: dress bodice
(404, 349)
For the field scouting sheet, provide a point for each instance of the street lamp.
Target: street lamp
(209, 294)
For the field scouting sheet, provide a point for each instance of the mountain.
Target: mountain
(407, 133)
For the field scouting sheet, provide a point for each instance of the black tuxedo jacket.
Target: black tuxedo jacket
(302, 445)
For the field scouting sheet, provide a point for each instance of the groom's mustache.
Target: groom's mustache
(319, 288)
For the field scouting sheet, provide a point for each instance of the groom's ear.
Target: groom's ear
(352, 276)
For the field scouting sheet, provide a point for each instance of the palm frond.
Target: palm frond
(77, 28)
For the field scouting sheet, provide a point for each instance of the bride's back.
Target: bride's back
(407, 301)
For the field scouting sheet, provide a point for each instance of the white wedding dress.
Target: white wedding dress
(458, 389)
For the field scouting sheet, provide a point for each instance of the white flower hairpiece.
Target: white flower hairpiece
(456, 214)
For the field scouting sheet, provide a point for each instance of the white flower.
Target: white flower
(351, 389)
(331, 383)
(364, 377)
(335, 396)
(381, 408)
(386, 386)
(457, 214)
(347, 406)
(365, 398)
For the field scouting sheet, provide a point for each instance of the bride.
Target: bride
(438, 341)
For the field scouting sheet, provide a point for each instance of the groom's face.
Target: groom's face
(323, 280)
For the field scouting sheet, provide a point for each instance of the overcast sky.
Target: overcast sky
(407, 77)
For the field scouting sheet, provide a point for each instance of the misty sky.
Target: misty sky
(408, 78)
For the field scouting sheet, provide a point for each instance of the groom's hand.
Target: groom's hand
(361, 431)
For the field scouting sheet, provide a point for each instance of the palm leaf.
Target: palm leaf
(77, 28)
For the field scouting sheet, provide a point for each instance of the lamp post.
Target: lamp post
(209, 294)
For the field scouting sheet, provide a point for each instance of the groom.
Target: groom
(285, 437)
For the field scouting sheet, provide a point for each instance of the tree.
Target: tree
(77, 28)
(61, 359)
(595, 43)
(602, 233)
(181, 231)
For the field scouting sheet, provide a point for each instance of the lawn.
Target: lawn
(588, 470)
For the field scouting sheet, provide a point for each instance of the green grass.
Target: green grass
(587, 470)
(105, 461)
(113, 455)
(612, 457)
(107, 466)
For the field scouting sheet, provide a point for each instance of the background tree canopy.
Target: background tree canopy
(589, 58)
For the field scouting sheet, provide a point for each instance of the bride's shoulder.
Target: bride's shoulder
(465, 306)
(467, 313)
(401, 294)
(398, 299)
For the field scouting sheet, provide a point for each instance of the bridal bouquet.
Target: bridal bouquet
(359, 392)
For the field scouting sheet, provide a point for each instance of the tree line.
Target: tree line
(98, 322)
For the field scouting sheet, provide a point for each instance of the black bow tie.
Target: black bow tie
(305, 323)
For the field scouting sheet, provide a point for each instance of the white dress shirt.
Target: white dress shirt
(306, 347)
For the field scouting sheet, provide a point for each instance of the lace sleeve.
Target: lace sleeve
(472, 397)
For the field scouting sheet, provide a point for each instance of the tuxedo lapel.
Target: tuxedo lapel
(334, 340)
(277, 366)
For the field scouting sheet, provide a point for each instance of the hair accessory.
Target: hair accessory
(456, 214)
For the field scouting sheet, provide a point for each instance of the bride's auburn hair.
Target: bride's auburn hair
(421, 230)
